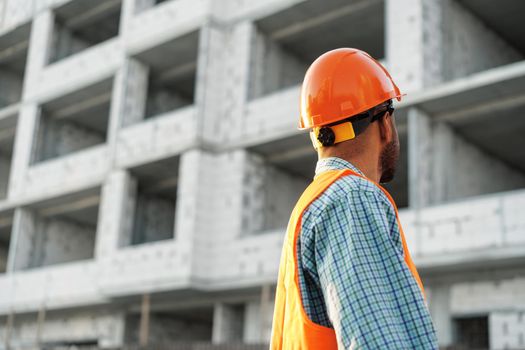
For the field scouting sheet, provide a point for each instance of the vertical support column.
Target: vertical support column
(266, 308)
(41, 318)
(116, 213)
(442, 163)
(141, 5)
(8, 330)
(192, 216)
(23, 148)
(39, 45)
(129, 9)
(256, 330)
(144, 321)
(128, 100)
(23, 240)
(227, 323)
(39, 49)
(420, 159)
(440, 310)
(413, 42)
(222, 79)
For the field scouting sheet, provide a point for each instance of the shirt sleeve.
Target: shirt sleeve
(372, 299)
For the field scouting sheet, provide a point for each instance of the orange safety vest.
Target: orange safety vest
(292, 329)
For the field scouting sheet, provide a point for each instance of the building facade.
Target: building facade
(149, 161)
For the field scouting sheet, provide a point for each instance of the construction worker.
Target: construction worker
(346, 279)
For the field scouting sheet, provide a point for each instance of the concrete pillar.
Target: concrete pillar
(29, 115)
(130, 8)
(141, 5)
(413, 42)
(227, 323)
(222, 79)
(419, 158)
(257, 323)
(439, 307)
(117, 201)
(128, 99)
(507, 329)
(23, 240)
(40, 43)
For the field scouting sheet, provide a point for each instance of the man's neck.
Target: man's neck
(369, 169)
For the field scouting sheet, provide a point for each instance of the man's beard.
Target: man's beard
(388, 161)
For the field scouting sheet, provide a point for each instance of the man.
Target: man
(346, 279)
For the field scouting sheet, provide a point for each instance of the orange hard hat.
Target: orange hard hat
(342, 83)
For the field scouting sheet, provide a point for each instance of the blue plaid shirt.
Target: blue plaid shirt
(352, 273)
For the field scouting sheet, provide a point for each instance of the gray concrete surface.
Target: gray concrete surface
(149, 161)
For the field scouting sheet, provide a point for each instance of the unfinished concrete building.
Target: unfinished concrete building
(149, 161)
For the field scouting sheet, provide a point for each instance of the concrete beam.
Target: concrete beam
(11, 52)
(92, 15)
(313, 22)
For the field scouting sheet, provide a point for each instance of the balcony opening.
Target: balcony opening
(276, 174)
(155, 188)
(81, 24)
(7, 139)
(74, 122)
(472, 332)
(6, 226)
(170, 326)
(287, 42)
(232, 318)
(487, 154)
(13, 56)
(172, 73)
(63, 229)
(493, 35)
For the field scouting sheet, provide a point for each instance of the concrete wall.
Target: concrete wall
(507, 329)
(163, 100)
(5, 168)
(10, 87)
(51, 241)
(4, 251)
(103, 326)
(471, 171)
(228, 323)
(165, 327)
(447, 167)
(470, 45)
(273, 67)
(65, 43)
(154, 219)
(270, 194)
(60, 137)
(62, 240)
(226, 192)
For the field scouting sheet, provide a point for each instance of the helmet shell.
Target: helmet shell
(341, 83)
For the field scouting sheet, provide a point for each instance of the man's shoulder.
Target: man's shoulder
(346, 188)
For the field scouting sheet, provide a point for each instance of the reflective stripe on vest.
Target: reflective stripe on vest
(292, 329)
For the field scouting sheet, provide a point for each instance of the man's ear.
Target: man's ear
(386, 131)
